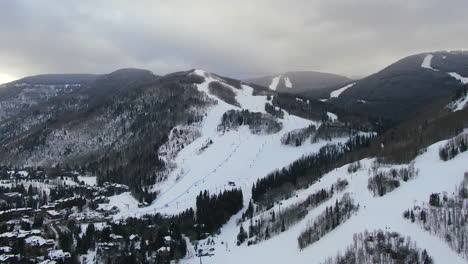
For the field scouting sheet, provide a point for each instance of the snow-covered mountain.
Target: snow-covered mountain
(216, 170)
(405, 86)
(238, 159)
(301, 82)
(30, 91)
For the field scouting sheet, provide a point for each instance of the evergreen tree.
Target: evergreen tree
(241, 236)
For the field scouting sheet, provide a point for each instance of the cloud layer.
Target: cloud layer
(236, 38)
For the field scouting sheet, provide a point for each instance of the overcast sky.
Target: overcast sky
(234, 38)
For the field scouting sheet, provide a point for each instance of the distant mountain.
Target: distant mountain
(24, 93)
(301, 82)
(51, 79)
(405, 86)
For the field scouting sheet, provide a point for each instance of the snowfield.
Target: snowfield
(287, 82)
(88, 180)
(457, 76)
(426, 63)
(274, 82)
(375, 213)
(337, 92)
(123, 201)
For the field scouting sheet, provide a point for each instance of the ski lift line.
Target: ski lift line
(196, 182)
(170, 188)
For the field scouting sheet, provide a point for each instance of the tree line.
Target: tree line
(381, 247)
(453, 147)
(267, 225)
(304, 171)
(215, 210)
(328, 220)
(445, 217)
(258, 123)
(383, 182)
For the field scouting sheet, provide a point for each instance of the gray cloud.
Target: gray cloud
(236, 38)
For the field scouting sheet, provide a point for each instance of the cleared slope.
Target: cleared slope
(301, 82)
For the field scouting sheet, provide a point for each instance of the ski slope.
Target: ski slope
(274, 82)
(375, 213)
(236, 156)
(457, 76)
(336, 93)
(287, 82)
(426, 63)
(459, 104)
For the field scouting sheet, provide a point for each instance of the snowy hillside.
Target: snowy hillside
(235, 158)
(422, 79)
(385, 213)
(194, 167)
(337, 92)
(427, 63)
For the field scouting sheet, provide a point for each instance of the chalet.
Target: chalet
(38, 246)
(14, 213)
(58, 255)
(48, 207)
(5, 249)
(53, 215)
(106, 246)
(117, 238)
(10, 196)
(8, 258)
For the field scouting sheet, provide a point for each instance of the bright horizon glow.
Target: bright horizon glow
(6, 78)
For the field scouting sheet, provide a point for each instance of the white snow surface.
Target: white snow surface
(337, 93)
(237, 156)
(460, 104)
(35, 241)
(333, 117)
(124, 201)
(426, 63)
(457, 76)
(287, 82)
(274, 82)
(88, 180)
(383, 213)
